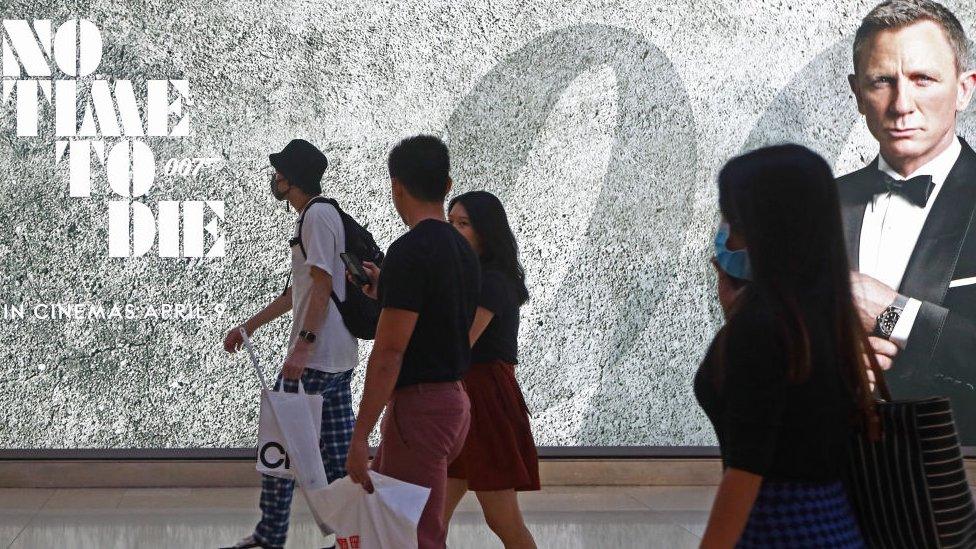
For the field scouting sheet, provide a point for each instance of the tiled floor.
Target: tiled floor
(563, 517)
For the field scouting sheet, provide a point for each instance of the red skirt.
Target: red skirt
(499, 453)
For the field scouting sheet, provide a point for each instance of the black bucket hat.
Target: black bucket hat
(302, 164)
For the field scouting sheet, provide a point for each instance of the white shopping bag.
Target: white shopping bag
(300, 435)
(385, 519)
(272, 458)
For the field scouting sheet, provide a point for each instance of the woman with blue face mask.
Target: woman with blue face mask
(783, 382)
(731, 263)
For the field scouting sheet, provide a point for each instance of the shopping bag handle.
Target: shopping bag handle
(301, 388)
(257, 367)
(254, 357)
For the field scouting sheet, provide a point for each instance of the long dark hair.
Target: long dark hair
(783, 201)
(499, 248)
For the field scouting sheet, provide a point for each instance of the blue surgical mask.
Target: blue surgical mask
(735, 263)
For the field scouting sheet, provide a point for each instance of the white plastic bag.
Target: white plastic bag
(272, 458)
(301, 437)
(385, 519)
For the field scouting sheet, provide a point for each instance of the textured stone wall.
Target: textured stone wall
(601, 125)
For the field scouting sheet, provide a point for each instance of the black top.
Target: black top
(764, 424)
(499, 341)
(431, 270)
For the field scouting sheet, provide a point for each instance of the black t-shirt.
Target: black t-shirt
(499, 341)
(766, 425)
(431, 270)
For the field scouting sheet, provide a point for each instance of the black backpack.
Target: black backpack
(360, 313)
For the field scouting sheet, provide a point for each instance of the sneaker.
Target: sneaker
(250, 542)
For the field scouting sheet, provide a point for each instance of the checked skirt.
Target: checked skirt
(801, 515)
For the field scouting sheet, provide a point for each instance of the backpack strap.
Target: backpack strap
(301, 220)
(298, 239)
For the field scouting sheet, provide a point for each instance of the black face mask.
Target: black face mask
(274, 189)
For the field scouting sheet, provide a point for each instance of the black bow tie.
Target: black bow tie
(916, 190)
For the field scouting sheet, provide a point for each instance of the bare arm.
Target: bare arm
(278, 307)
(318, 306)
(318, 309)
(733, 502)
(481, 319)
(393, 333)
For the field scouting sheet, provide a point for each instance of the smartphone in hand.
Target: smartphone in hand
(355, 268)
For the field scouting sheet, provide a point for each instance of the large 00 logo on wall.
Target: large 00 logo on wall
(137, 226)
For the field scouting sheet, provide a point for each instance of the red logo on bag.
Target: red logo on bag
(343, 543)
(354, 542)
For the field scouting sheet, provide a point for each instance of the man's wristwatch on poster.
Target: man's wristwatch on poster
(307, 336)
(886, 321)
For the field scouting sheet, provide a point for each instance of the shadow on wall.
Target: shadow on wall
(622, 268)
(624, 262)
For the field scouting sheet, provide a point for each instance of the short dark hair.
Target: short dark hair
(895, 14)
(422, 164)
(310, 188)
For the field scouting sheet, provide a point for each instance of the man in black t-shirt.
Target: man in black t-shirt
(429, 289)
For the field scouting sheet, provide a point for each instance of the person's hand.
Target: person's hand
(234, 340)
(357, 463)
(872, 298)
(884, 353)
(294, 365)
(373, 273)
(728, 288)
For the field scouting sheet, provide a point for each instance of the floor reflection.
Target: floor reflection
(559, 517)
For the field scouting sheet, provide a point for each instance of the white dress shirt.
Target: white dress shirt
(891, 228)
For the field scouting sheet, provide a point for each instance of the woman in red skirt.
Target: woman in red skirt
(499, 456)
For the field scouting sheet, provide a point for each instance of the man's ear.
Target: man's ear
(852, 82)
(967, 82)
(450, 185)
(397, 188)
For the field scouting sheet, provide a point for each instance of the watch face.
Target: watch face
(887, 326)
(887, 321)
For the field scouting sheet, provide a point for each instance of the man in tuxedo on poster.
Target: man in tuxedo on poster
(909, 215)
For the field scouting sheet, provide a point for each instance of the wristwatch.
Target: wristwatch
(307, 336)
(886, 321)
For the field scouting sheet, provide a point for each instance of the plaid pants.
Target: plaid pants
(337, 425)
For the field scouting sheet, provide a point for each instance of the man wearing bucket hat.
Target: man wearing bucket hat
(321, 350)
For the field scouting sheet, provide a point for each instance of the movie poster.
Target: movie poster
(137, 226)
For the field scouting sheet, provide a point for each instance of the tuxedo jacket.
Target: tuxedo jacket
(939, 358)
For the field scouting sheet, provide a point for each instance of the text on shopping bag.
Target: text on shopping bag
(273, 456)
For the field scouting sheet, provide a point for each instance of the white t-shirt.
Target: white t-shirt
(335, 349)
